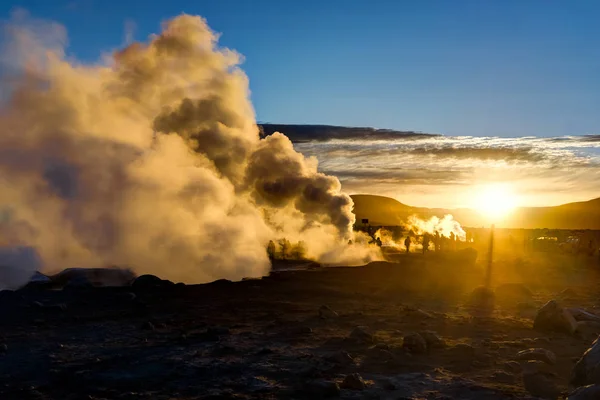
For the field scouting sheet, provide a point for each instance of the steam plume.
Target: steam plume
(445, 226)
(153, 160)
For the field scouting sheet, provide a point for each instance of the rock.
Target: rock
(552, 317)
(540, 385)
(513, 291)
(590, 392)
(503, 377)
(587, 369)
(362, 334)
(537, 354)
(353, 382)
(149, 282)
(535, 366)
(414, 343)
(588, 328)
(341, 358)
(512, 366)
(326, 313)
(582, 315)
(433, 340)
(320, 389)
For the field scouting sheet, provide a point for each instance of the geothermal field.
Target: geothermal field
(141, 212)
(413, 329)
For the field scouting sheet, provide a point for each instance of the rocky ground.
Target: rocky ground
(407, 330)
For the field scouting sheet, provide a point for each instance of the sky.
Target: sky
(511, 85)
(481, 68)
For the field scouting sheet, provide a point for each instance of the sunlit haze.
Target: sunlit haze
(495, 201)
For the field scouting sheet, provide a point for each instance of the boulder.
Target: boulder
(433, 340)
(341, 358)
(353, 382)
(414, 343)
(582, 315)
(540, 385)
(587, 370)
(537, 354)
(552, 317)
(326, 313)
(361, 334)
(589, 392)
(512, 366)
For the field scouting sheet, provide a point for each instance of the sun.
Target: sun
(495, 201)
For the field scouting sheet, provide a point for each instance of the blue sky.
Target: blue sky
(483, 68)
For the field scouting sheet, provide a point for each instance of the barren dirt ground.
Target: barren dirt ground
(264, 338)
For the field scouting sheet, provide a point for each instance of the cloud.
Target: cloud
(439, 170)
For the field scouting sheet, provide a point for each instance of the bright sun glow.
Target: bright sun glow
(495, 201)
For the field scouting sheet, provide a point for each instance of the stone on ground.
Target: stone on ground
(362, 334)
(552, 317)
(415, 343)
(433, 340)
(540, 385)
(587, 369)
(590, 392)
(537, 354)
(353, 382)
(325, 312)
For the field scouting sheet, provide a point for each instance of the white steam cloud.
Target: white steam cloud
(445, 226)
(153, 160)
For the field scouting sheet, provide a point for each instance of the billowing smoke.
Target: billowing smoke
(152, 160)
(445, 226)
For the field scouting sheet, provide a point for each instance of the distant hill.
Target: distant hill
(381, 210)
(304, 133)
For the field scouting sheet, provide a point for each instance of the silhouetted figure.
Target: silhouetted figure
(437, 241)
(271, 249)
(407, 243)
(378, 241)
(425, 243)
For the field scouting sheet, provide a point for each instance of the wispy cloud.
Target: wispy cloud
(435, 170)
